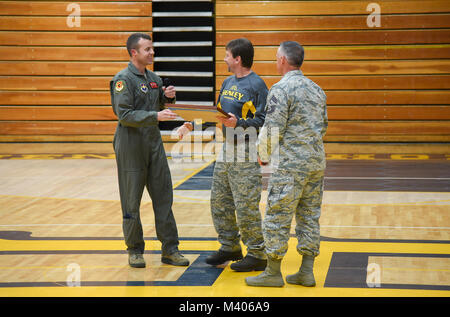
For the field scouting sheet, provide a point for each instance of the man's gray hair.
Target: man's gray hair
(294, 53)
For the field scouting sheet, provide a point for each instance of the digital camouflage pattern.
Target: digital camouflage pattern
(237, 181)
(296, 110)
(235, 196)
(290, 194)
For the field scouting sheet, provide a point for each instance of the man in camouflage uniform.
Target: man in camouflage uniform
(237, 179)
(297, 117)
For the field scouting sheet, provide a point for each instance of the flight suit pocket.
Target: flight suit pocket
(128, 149)
(141, 98)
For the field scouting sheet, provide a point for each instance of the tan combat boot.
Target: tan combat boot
(305, 275)
(271, 277)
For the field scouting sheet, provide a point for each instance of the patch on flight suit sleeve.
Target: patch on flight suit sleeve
(119, 85)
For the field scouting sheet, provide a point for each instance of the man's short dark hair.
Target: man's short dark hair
(132, 42)
(243, 48)
(294, 53)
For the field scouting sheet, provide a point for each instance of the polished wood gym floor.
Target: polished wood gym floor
(385, 227)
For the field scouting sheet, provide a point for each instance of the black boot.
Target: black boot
(220, 257)
(249, 264)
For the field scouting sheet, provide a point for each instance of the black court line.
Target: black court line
(349, 270)
(359, 175)
(200, 181)
(346, 270)
(190, 277)
(27, 236)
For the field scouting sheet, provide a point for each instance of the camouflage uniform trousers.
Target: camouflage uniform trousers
(235, 197)
(293, 193)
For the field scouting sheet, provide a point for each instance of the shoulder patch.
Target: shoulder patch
(274, 99)
(271, 104)
(144, 88)
(119, 85)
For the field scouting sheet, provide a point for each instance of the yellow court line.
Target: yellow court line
(329, 156)
(92, 245)
(193, 173)
(236, 289)
(231, 283)
(199, 200)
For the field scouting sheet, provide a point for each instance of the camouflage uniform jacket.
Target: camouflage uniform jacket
(296, 106)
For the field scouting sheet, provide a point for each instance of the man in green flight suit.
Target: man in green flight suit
(138, 98)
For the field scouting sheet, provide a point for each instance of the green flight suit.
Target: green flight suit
(140, 156)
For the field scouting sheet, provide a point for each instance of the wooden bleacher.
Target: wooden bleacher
(54, 79)
(386, 84)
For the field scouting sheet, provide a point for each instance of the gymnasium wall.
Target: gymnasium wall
(386, 83)
(55, 73)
